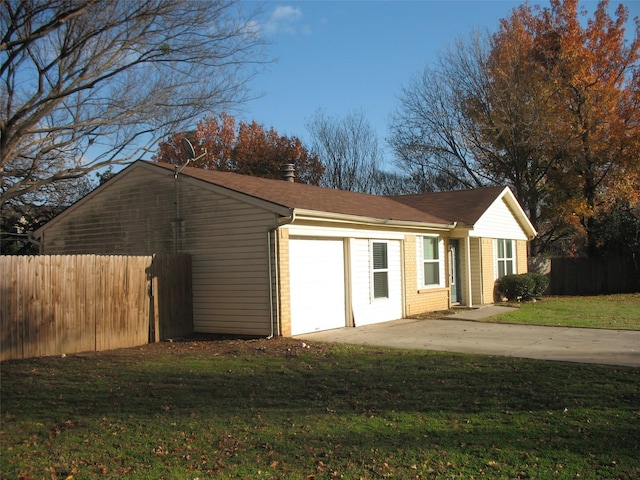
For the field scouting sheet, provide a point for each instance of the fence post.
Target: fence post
(154, 320)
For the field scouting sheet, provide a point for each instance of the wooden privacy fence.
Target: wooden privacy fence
(595, 276)
(58, 304)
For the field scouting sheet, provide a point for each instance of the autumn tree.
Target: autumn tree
(592, 78)
(246, 148)
(90, 83)
(457, 127)
(548, 105)
(576, 114)
(512, 117)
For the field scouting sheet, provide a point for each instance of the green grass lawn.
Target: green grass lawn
(618, 312)
(275, 409)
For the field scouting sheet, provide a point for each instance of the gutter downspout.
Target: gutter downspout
(281, 222)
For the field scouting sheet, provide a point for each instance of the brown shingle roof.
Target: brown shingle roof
(443, 208)
(464, 206)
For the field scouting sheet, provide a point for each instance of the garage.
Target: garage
(316, 269)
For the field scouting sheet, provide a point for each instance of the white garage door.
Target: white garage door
(316, 269)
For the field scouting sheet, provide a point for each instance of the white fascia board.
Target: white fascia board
(341, 218)
(343, 231)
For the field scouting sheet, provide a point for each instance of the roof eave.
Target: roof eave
(305, 214)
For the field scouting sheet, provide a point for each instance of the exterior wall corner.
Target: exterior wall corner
(284, 286)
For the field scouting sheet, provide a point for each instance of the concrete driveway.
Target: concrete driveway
(460, 333)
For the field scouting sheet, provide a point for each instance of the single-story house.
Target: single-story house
(274, 257)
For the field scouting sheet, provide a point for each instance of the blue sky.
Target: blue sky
(345, 56)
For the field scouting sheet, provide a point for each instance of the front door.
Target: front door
(454, 271)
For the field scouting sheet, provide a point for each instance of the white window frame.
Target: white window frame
(374, 270)
(506, 260)
(421, 262)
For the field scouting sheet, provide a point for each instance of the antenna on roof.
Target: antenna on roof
(189, 153)
(187, 147)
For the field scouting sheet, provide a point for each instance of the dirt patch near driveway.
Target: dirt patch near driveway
(212, 345)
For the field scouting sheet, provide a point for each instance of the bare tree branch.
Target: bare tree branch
(90, 83)
(348, 149)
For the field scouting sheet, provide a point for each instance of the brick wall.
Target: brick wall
(488, 270)
(285, 282)
(522, 262)
(420, 301)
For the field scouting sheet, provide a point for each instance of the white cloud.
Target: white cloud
(287, 14)
(286, 20)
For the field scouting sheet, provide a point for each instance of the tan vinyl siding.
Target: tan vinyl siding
(227, 239)
(425, 300)
(130, 217)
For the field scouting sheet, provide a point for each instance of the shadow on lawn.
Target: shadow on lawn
(349, 397)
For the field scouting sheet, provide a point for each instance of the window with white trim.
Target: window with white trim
(505, 257)
(431, 262)
(380, 269)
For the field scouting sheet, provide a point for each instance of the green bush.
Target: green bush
(541, 284)
(524, 286)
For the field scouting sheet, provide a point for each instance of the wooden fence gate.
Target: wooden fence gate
(59, 304)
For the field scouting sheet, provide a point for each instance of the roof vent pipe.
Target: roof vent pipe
(288, 172)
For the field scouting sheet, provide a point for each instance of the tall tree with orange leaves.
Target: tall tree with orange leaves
(245, 148)
(550, 105)
(587, 79)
